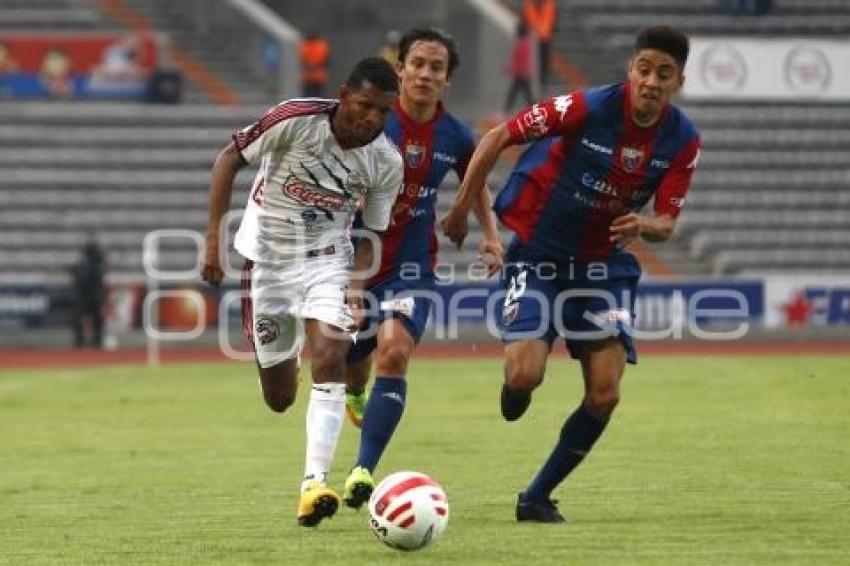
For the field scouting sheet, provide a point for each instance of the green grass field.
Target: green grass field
(709, 460)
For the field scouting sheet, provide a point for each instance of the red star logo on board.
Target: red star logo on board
(798, 310)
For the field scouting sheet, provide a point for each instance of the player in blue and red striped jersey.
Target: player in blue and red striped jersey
(432, 143)
(574, 200)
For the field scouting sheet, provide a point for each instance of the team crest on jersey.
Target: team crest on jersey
(267, 330)
(631, 158)
(413, 154)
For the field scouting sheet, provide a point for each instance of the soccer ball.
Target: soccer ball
(408, 510)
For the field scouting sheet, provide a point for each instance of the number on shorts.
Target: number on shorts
(517, 286)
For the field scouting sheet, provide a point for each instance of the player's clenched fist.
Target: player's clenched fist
(211, 271)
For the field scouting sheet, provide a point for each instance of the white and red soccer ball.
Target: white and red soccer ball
(408, 510)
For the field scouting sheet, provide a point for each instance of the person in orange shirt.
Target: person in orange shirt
(315, 57)
(540, 16)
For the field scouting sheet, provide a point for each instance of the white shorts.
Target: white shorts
(277, 299)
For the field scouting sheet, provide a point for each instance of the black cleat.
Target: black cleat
(514, 404)
(538, 511)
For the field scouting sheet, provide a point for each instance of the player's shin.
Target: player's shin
(578, 435)
(383, 413)
(325, 413)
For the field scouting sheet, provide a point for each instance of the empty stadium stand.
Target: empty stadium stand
(771, 193)
(114, 171)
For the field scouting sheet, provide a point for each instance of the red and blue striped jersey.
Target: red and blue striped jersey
(588, 164)
(429, 151)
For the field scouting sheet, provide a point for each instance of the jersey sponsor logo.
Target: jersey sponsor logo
(414, 191)
(444, 157)
(596, 147)
(299, 192)
(631, 158)
(600, 185)
(660, 164)
(414, 152)
(612, 206)
(411, 190)
(535, 120)
(267, 330)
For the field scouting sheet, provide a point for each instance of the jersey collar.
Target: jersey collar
(408, 122)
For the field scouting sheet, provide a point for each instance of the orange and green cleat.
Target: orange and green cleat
(355, 407)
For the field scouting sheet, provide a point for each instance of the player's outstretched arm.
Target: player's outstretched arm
(495, 141)
(227, 164)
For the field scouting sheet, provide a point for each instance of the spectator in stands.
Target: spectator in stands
(315, 58)
(389, 47)
(55, 73)
(87, 277)
(541, 16)
(7, 62)
(520, 68)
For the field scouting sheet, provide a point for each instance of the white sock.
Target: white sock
(325, 413)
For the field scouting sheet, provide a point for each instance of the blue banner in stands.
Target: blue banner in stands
(24, 306)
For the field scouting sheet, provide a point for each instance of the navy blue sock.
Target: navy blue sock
(579, 433)
(383, 412)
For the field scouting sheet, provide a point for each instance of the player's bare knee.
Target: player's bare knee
(392, 359)
(602, 402)
(525, 365)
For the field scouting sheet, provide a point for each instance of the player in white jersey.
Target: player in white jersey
(319, 160)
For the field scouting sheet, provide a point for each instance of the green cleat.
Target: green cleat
(358, 487)
(355, 406)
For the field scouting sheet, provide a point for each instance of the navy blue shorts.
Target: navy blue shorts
(392, 298)
(580, 304)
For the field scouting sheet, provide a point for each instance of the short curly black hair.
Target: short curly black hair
(376, 71)
(413, 35)
(666, 39)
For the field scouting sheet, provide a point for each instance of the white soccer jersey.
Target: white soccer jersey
(308, 188)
